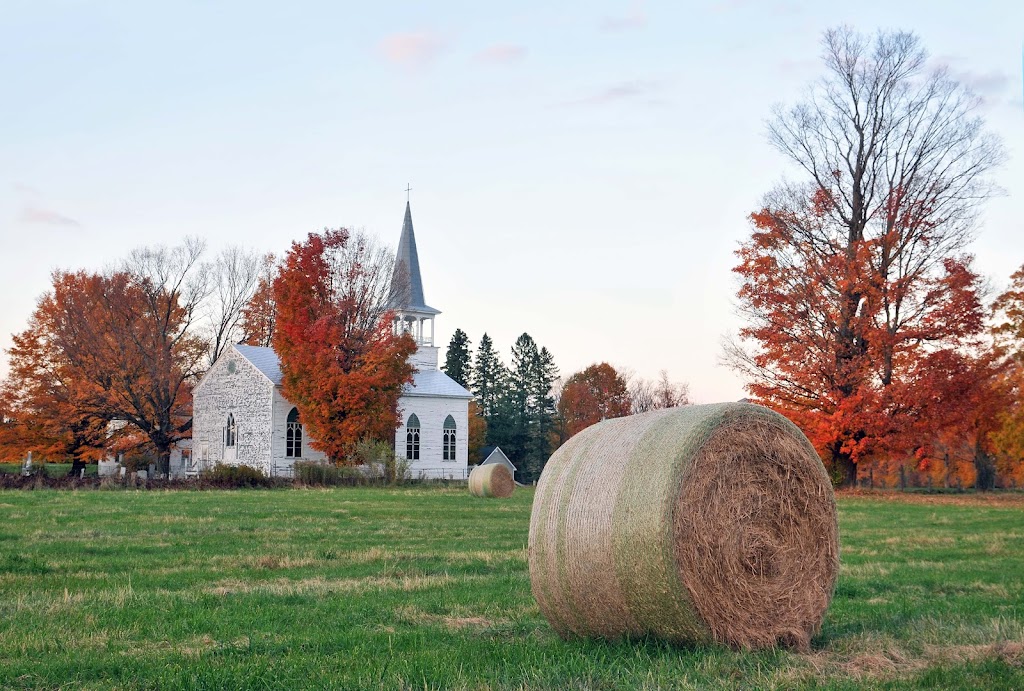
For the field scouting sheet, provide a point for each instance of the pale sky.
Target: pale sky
(581, 171)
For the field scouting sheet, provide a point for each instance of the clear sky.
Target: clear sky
(581, 171)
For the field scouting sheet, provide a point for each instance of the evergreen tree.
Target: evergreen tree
(518, 409)
(526, 418)
(487, 380)
(458, 361)
(545, 412)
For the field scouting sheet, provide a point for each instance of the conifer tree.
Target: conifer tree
(458, 362)
(542, 435)
(528, 408)
(487, 379)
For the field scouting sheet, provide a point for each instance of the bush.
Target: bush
(327, 474)
(380, 461)
(236, 476)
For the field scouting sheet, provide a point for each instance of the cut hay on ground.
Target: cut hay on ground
(491, 480)
(713, 522)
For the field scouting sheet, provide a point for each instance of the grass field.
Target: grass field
(428, 588)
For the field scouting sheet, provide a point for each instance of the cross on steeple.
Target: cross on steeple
(408, 189)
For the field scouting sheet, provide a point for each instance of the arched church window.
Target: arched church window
(412, 438)
(448, 450)
(230, 433)
(293, 435)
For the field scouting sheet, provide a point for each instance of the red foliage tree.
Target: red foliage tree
(596, 393)
(102, 348)
(48, 410)
(343, 365)
(862, 360)
(856, 291)
(1008, 437)
(259, 316)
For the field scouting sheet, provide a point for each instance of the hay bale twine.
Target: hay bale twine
(491, 480)
(711, 522)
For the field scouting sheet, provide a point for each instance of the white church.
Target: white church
(240, 414)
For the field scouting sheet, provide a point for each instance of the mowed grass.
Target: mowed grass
(429, 588)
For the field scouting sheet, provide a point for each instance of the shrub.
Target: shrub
(381, 463)
(327, 474)
(236, 476)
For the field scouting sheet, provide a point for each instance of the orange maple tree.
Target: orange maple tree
(259, 316)
(1008, 437)
(866, 362)
(48, 410)
(595, 393)
(99, 348)
(856, 289)
(342, 364)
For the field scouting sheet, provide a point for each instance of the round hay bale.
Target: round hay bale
(711, 522)
(491, 480)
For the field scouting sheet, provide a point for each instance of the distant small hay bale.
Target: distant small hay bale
(491, 480)
(713, 522)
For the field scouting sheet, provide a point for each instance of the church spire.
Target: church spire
(413, 315)
(406, 279)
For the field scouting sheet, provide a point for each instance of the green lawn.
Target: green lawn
(428, 588)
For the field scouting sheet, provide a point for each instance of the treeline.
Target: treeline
(529, 411)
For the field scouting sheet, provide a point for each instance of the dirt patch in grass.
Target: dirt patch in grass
(417, 617)
(324, 586)
(888, 660)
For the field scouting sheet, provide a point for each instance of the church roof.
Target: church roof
(424, 382)
(434, 383)
(263, 359)
(407, 270)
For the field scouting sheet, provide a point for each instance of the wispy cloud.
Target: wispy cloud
(39, 216)
(992, 83)
(501, 53)
(635, 18)
(23, 189)
(413, 49)
(636, 90)
(779, 8)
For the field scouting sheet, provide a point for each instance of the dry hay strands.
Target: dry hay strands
(712, 522)
(491, 480)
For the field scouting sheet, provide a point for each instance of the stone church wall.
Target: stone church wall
(233, 385)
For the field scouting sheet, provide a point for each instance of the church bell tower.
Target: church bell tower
(412, 314)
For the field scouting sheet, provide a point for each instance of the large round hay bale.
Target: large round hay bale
(711, 522)
(491, 480)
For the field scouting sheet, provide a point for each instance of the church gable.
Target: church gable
(232, 413)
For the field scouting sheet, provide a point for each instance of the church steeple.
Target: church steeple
(413, 314)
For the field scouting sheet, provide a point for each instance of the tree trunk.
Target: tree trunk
(844, 470)
(985, 470)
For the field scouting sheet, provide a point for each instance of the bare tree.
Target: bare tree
(159, 344)
(235, 275)
(669, 394)
(646, 394)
